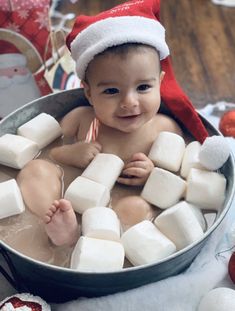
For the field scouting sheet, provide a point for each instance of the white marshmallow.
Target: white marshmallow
(97, 255)
(11, 202)
(191, 158)
(180, 224)
(101, 223)
(167, 151)
(84, 193)
(218, 299)
(42, 129)
(145, 244)
(163, 188)
(199, 215)
(16, 151)
(206, 189)
(104, 169)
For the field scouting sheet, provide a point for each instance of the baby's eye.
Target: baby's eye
(143, 87)
(111, 91)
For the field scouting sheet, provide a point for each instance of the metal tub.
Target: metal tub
(57, 284)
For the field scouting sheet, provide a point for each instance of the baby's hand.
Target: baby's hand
(79, 154)
(87, 152)
(137, 171)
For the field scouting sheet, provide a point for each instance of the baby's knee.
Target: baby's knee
(39, 168)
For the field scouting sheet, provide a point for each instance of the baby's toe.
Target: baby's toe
(65, 205)
(46, 219)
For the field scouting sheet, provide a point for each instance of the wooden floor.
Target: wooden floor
(201, 37)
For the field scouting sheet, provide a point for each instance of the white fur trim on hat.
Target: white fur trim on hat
(114, 31)
(12, 59)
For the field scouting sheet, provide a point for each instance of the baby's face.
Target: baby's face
(124, 90)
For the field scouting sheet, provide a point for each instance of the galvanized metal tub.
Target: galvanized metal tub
(57, 284)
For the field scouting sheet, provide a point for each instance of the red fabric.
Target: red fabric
(42, 83)
(29, 21)
(172, 95)
(145, 8)
(179, 104)
(13, 5)
(7, 47)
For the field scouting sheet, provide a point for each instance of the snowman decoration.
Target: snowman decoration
(17, 84)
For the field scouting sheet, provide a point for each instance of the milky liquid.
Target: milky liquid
(25, 232)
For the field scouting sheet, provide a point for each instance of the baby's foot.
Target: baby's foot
(61, 223)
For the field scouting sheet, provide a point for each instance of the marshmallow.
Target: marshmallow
(199, 215)
(97, 255)
(42, 129)
(145, 244)
(218, 299)
(16, 151)
(104, 169)
(11, 202)
(163, 188)
(180, 224)
(206, 189)
(167, 151)
(191, 158)
(84, 193)
(101, 223)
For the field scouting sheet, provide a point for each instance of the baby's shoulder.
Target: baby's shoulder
(166, 123)
(81, 112)
(79, 115)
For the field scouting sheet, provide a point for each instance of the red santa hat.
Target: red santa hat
(135, 21)
(10, 56)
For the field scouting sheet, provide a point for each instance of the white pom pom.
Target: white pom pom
(214, 152)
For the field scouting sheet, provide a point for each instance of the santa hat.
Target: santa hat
(10, 56)
(135, 21)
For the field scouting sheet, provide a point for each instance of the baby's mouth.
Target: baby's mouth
(129, 117)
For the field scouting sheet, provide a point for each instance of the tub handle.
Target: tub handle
(14, 279)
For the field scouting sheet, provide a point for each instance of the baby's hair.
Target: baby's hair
(123, 49)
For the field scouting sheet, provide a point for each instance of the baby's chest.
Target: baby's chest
(126, 147)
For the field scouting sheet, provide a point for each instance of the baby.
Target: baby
(122, 84)
(118, 56)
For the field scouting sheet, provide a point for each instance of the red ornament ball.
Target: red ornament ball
(19, 301)
(227, 123)
(231, 267)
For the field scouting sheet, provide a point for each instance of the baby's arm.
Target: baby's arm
(137, 171)
(78, 152)
(70, 122)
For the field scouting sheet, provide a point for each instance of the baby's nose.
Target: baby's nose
(129, 100)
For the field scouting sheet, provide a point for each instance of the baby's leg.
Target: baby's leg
(40, 184)
(61, 223)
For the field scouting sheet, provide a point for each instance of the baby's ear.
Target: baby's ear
(86, 90)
